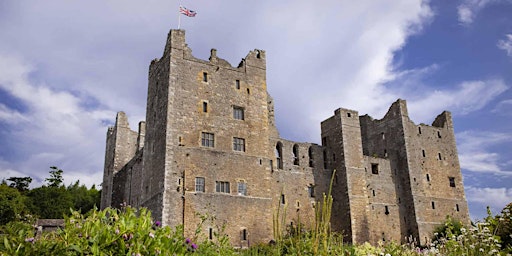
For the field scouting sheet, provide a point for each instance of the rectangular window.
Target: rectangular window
(222, 187)
(311, 190)
(239, 144)
(433, 205)
(207, 140)
(205, 77)
(242, 188)
(238, 113)
(452, 181)
(283, 201)
(199, 184)
(237, 84)
(423, 153)
(205, 106)
(439, 156)
(244, 235)
(375, 168)
(457, 207)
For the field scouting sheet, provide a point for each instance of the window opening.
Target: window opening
(325, 160)
(457, 207)
(373, 192)
(207, 139)
(452, 181)
(375, 168)
(439, 156)
(205, 77)
(279, 155)
(242, 188)
(199, 184)
(244, 234)
(428, 177)
(239, 144)
(248, 91)
(238, 113)
(383, 135)
(283, 201)
(419, 130)
(386, 210)
(310, 154)
(423, 152)
(439, 134)
(295, 154)
(205, 106)
(210, 233)
(222, 186)
(237, 84)
(311, 190)
(349, 115)
(433, 205)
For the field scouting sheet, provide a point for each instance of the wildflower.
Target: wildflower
(151, 235)
(187, 241)
(157, 223)
(194, 246)
(387, 254)
(481, 249)
(117, 231)
(463, 230)
(30, 240)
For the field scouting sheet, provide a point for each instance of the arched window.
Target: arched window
(296, 154)
(279, 155)
(310, 154)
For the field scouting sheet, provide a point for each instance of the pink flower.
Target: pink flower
(151, 235)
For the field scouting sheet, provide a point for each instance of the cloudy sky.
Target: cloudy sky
(66, 68)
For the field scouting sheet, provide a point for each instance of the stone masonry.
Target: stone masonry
(209, 147)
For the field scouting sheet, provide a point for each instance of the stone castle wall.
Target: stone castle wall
(209, 147)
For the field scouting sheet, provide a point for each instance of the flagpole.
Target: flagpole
(179, 14)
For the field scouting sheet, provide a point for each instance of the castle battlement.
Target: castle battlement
(209, 145)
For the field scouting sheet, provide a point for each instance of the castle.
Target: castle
(209, 145)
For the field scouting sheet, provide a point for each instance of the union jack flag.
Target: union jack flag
(187, 12)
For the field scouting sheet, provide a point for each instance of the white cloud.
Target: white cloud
(504, 107)
(54, 130)
(467, 97)
(470, 8)
(496, 198)
(475, 153)
(506, 44)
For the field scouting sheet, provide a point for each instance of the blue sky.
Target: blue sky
(66, 68)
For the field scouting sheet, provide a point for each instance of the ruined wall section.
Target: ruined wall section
(121, 147)
(384, 213)
(127, 183)
(201, 131)
(341, 135)
(385, 138)
(435, 176)
(299, 180)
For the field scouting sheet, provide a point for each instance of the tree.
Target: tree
(84, 199)
(55, 179)
(20, 183)
(12, 204)
(50, 202)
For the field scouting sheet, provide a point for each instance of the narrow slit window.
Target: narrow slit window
(433, 205)
(205, 106)
(237, 84)
(439, 156)
(386, 210)
(423, 153)
(457, 207)
(283, 199)
(325, 160)
(310, 154)
(428, 177)
(210, 236)
(439, 134)
(244, 234)
(311, 190)
(419, 130)
(205, 77)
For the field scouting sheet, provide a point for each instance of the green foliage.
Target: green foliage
(55, 179)
(84, 199)
(12, 204)
(50, 202)
(20, 183)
